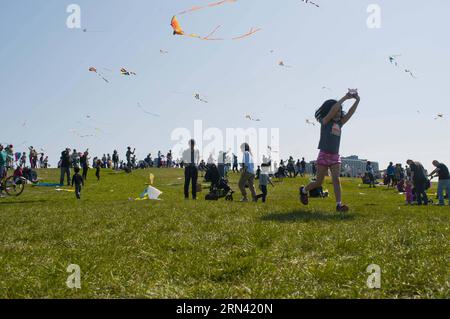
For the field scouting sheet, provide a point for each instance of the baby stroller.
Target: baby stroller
(281, 173)
(219, 185)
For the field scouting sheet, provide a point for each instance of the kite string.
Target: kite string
(214, 4)
(214, 31)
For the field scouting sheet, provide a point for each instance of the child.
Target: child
(331, 117)
(401, 186)
(78, 181)
(97, 169)
(409, 193)
(264, 180)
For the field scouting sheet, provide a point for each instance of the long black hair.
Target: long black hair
(326, 107)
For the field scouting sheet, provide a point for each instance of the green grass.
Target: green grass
(184, 249)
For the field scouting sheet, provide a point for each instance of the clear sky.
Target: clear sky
(46, 89)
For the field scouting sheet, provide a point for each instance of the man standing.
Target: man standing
(419, 179)
(390, 172)
(65, 166)
(128, 155)
(444, 181)
(191, 158)
(115, 159)
(303, 167)
(84, 163)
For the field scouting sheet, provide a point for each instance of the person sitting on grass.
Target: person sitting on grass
(77, 180)
(331, 117)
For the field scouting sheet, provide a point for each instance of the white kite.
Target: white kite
(151, 193)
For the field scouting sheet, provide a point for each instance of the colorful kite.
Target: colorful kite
(124, 71)
(178, 30)
(92, 69)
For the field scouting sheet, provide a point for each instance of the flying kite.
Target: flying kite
(411, 73)
(310, 2)
(439, 116)
(249, 117)
(199, 98)
(163, 51)
(75, 132)
(124, 71)
(393, 59)
(281, 63)
(145, 111)
(90, 31)
(178, 30)
(92, 69)
(309, 122)
(326, 88)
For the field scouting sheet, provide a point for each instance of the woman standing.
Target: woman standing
(84, 162)
(248, 174)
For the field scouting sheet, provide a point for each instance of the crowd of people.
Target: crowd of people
(413, 180)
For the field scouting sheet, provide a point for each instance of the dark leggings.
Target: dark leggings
(85, 171)
(264, 193)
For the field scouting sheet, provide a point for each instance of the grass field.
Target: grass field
(184, 249)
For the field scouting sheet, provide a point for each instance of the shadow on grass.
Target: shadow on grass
(304, 216)
(13, 202)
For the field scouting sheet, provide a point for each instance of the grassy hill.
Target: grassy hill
(184, 249)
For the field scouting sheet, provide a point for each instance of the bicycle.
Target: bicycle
(13, 186)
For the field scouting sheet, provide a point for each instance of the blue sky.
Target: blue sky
(45, 81)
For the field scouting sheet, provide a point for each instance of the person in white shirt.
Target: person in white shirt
(191, 157)
(248, 173)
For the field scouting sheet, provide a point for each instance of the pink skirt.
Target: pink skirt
(328, 159)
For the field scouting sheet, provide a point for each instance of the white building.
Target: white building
(353, 166)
